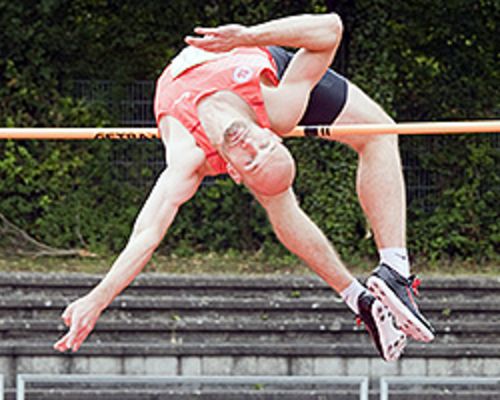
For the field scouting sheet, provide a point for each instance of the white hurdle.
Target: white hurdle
(426, 380)
(361, 381)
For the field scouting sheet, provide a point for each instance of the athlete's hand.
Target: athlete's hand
(80, 317)
(220, 39)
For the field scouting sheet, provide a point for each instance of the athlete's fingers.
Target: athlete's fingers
(66, 320)
(205, 43)
(62, 343)
(74, 331)
(67, 341)
(66, 315)
(73, 340)
(195, 41)
(205, 31)
(77, 343)
(191, 39)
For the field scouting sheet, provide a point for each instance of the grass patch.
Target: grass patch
(231, 263)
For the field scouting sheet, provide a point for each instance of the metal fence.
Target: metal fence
(361, 381)
(132, 105)
(440, 381)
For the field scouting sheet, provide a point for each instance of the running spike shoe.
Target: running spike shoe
(378, 320)
(398, 295)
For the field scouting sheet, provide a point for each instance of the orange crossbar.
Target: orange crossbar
(404, 128)
(78, 133)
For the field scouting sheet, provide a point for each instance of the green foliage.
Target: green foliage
(437, 60)
(465, 221)
(325, 188)
(425, 60)
(55, 192)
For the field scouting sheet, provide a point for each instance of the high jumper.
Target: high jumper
(221, 106)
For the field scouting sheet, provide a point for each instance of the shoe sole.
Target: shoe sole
(405, 319)
(392, 340)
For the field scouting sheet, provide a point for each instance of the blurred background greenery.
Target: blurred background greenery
(94, 62)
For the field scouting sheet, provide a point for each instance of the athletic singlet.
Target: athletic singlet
(178, 93)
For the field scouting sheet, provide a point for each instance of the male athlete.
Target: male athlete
(220, 106)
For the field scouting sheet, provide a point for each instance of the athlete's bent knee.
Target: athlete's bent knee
(264, 163)
(386, 141)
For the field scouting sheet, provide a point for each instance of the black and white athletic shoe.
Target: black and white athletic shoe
(378, 320)
(398, 295)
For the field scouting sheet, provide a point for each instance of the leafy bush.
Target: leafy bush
(424, 60)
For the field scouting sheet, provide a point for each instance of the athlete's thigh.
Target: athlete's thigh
(360, 109)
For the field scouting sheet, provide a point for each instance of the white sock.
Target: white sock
(397, 259)
(351, 294)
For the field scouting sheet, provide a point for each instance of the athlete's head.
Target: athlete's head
(266, 166)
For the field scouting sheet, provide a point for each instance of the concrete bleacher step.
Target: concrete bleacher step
(274, 309)
(186, 395)
(237, 331)
(210, 307)
(226, 325)
(440, 394)
(255, 287)
(22, 348)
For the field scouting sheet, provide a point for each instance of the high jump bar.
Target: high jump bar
(403, 128)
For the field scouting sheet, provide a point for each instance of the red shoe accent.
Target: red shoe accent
(415, 285)
(359, 321)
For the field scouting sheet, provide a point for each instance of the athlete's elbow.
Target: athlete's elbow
(151, 239)
(148, 237)
(335, 29)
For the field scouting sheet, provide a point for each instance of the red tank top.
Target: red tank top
(239, 72)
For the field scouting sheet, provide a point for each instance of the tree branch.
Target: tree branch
(41, 249)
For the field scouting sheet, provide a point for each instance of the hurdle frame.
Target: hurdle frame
(438, 380)
(23, 379)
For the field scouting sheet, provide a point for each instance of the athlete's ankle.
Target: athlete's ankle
(397, 259)
(351, 295)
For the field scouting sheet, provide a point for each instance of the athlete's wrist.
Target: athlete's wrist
(250, 36)
(101, 296)
(241, 36)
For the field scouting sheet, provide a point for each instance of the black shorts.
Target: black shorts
(328, 97)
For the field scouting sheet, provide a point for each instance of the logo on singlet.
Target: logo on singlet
(242, 74)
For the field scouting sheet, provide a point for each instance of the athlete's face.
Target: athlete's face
(265, 165)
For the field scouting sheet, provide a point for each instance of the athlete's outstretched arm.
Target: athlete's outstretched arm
(176, 185)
